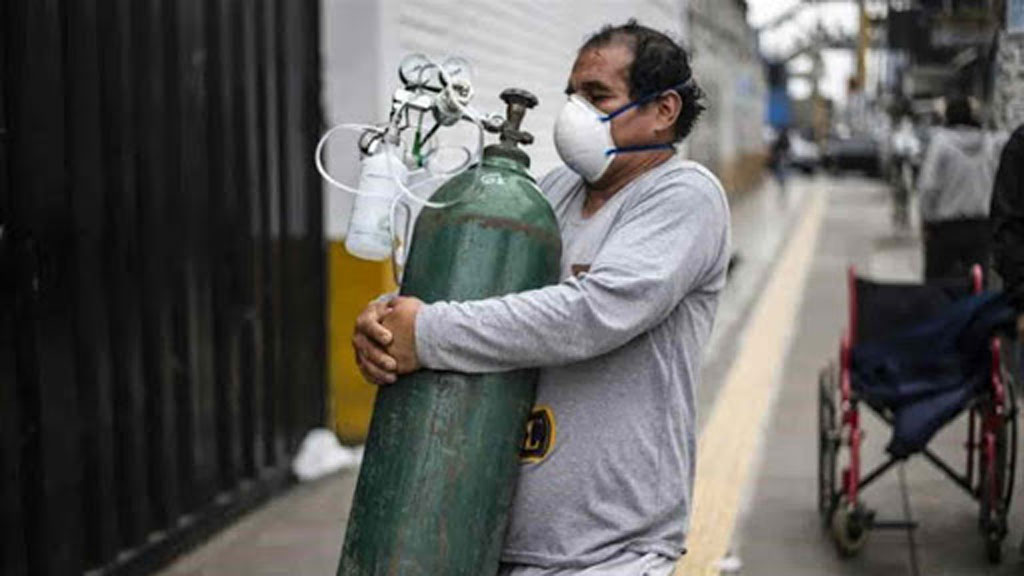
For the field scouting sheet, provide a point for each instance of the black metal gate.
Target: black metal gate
(161, 272)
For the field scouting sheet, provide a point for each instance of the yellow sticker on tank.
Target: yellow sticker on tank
(539, 436)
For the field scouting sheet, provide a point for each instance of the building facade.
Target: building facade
(730, 69)
(1008, 92)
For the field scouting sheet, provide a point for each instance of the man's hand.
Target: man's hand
(370, 340)
(400, 321)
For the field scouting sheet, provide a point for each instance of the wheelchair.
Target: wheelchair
(879, 312)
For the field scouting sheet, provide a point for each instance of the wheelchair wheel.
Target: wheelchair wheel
(828, 444)
(995, 496)
(850, 526)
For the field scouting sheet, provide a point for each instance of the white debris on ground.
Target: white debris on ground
(321, 454)
(731, 564)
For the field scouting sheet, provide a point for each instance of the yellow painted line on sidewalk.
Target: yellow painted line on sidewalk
(729, 444)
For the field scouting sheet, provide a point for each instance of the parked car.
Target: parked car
(856, 152)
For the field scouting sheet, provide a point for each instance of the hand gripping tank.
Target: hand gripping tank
(441, 460)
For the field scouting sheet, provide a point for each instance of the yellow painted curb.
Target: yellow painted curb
(728, 446)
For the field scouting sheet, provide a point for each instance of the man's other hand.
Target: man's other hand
(370, 340)
(400, 321)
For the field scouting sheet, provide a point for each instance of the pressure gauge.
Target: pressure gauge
(414, 71)
(457, 69)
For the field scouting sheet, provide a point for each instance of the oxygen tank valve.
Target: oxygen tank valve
(518, 101)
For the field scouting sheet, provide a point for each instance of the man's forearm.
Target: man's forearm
(552, 326)
(664, 247)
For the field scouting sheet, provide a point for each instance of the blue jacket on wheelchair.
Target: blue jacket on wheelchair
(925, 374)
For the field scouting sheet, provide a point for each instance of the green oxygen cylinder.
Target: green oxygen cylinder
(442, 456)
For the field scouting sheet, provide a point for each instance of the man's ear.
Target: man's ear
(668, 107)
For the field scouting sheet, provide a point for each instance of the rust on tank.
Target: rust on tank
(504, 224)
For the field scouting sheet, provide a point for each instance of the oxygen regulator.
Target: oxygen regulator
(399, 156)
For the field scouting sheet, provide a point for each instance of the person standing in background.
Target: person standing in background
(780, 158)
(1008, 230)
(955, 188)
(1007, 214)
(906, 156)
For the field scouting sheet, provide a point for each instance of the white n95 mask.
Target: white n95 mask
(583, 135)
(584, 139)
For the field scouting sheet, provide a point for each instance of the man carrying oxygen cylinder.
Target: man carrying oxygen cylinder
(606, 481)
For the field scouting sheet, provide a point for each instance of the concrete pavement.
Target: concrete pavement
(779, 532)
(297, 534)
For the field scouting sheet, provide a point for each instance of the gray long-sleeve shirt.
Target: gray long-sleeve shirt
(609, 452)
(957, 174)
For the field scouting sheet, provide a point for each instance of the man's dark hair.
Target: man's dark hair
(959, 112)
(659, 64)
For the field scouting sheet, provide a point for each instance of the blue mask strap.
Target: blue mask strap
(644, 100)
(626, 108)
(641, 148)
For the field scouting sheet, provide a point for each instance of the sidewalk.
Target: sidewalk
(780, 532)
(297, 534)
(761, 222)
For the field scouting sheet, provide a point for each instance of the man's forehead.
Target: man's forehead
(606, 66)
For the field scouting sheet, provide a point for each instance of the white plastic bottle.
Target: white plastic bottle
(369, 229)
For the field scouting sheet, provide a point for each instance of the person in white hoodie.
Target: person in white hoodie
(955, 187)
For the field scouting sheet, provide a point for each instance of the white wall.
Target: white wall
(353, 91)
(527, 44)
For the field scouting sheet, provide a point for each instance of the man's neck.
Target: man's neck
(601, 191)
